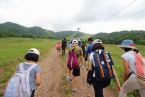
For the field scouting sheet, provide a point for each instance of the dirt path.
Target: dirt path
(54, 83)
(51, 76)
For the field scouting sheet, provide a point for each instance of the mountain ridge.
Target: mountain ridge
(10, 29)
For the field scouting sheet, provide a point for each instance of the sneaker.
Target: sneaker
(68, 78)
(74, 91)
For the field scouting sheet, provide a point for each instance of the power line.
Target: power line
(138, 13)
(119, 11)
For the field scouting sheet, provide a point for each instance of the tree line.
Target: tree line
(9, 29)
(116, 37)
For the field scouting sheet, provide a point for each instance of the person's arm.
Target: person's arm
(38, 78)
(116, 79)
(90, 63)
(86, 55)
(126, 69)
(81, 56)
(38, 75)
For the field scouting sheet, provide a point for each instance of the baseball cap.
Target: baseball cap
(74, 41)
(97, 41)
(34, 50)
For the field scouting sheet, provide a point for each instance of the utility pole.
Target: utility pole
(78, 29)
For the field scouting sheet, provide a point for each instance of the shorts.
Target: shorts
(68, 66)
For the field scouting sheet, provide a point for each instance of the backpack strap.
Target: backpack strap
(101, 68)
(108, 65)
(31, 67)
(21, 67)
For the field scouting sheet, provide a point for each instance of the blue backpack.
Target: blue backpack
(103, 65)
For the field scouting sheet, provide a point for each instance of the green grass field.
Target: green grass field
(12, 51)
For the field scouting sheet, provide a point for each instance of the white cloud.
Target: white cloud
(91, 16)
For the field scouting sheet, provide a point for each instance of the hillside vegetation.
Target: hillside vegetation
(117, 37)
(9, 29)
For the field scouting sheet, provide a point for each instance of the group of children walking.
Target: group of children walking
(100, 67)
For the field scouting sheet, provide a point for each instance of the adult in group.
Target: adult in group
(128, 60)
(64, 45)
(101, 68)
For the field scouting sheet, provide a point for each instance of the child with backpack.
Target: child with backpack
(132, 59)
(58, 48)
(75, 59)
(101, 69)
(27, 77)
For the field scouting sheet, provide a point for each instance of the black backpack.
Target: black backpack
(103, 65)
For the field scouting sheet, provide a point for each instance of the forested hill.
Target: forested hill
(117, 37)
(9, 29)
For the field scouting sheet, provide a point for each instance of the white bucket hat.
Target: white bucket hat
(34, 50)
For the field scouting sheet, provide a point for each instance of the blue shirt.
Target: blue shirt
(89, 49)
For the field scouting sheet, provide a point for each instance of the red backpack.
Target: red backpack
(139, 64)
(58, 46)
(72, 60)
(140, 68)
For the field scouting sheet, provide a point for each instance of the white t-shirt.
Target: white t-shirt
(129, 56)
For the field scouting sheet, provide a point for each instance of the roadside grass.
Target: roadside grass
(66, 87)
(12, 51)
